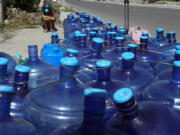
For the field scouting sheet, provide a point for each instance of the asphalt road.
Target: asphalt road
(146, 17)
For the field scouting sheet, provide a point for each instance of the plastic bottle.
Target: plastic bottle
(142, 118)
(5, 77)
(94, 105)
(59, 104)
(37, 66)
(136, 77)
(166, 91)
(8, 125)
(105, 81)
(20, 84)
(11, 63)
(109, 41)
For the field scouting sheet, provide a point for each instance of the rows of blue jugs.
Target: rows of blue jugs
(95, 81)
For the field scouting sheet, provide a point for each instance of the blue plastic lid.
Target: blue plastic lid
(6, 88)
(72, 50)
(119, 38)
(171, 32)
(98, 40)
(176, 63)
(69, 61)
(77, 33)
(82, 35)
(54, 34)
(113, 25)
(127, 55)
(177, 52)
(21, 68)
(132, 45)
(92, 32)
(95, 92)
(178, 47)
(112, 32)
(159, 29)
(3, 61)
(144, 37)
(103, 63)
(123, 95)
(145, 34)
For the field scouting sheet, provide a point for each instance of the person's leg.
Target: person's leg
(46, 26)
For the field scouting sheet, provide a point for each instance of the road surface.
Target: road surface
(147, 17)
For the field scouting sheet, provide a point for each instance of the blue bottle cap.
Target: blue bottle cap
(119, 38)
(171, 32)
(54, 34)
(144, 37)
(176, 63)
(82, 35)
(159, 29)
(103, 63)
(123, 95)
(77, 33)
(127, 55)
(132, 45)
(122, 30)
(21, 68)
(6, 88)
(69, 61)
(178, 47)
(3, 61)
(72, 50)
(92, 32)
(113, 25)
(112, 32)
(177, 52)
(95, 92)
(98, 40)
(145, 34)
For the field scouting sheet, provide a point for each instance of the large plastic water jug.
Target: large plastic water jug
(166, 91)
(141, 118)
(20, 84)
(8, 125)
(94, 111)
(59, 104)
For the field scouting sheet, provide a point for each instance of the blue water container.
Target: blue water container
(66, 24)
(5, 77)
(8, 125)
(109, 42)
(94, 110)
(52, 54)
(61, 103)
(142, 118)
(37, 66)
(147, 56)
(11, 63)
(105, 81)
(20, 84)
(136, 77)
(166, 91)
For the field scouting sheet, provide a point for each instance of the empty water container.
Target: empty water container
(136, 77)
(59, 104)
(166, 91)
(20, 84)
(94, 111)
(8, 125)
(142, 118)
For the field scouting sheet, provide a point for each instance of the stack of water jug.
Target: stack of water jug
(95, 81)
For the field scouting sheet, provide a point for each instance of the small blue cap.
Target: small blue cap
(21, 68)
(132, 45)
(145, 34)
(144, 37)
(177, 52)
(113, 25)
(159, 30)
(127, 56)
(6, 88)
(171, 32)
(82, 35)
(112, 32)
(69, 61)
(3, 61)
(119, 38)
(176, 63)
(123, 95)
(98, 40)
(178, 47)
(77, 33)
(72, 50)
(54, 34)
(103, 63)
(95, 92)
(92, 32)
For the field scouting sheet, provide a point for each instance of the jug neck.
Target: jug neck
(127, 64)
(160, 36)
(5, 100)
(144, 44)
(133, 50)
(171, 37)
(176, 74)
(33, 53)
(128, 109)
(177, 55)
(96, 50)
(3, 69)
(82, 41)
(21, 82)
(104, 74)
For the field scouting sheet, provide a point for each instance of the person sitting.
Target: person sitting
(48, 18)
